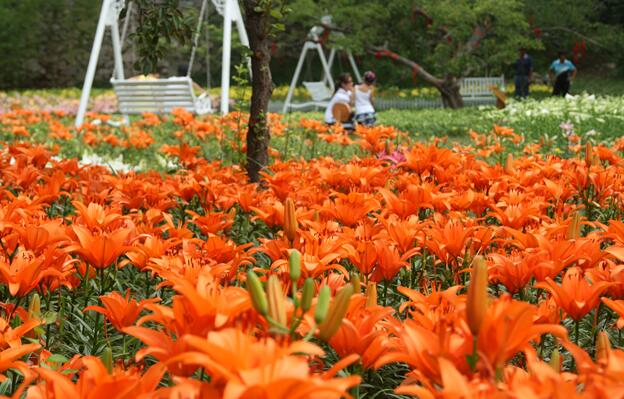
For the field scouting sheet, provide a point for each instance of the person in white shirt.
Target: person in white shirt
(343, 94)
(364, 92)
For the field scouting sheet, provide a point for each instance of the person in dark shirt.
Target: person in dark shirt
(524, 67)
(562, 71)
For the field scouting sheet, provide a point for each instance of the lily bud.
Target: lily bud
(371, 294)
(589, 152)
(307, 293)
(232, 212)
(290, 220)
(34, 307)
(603, 347)
(258, 297)
(322, 304)
(509, 164)
(336, 313)
(294, 264)
(596, 160)
(477, 301)
(574, 229)
(555, 360)
(107, 359)
(277, 304)
(355, 281)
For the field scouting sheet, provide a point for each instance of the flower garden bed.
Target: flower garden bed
(371, 265)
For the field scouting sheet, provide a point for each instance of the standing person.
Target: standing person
(343, 94)
(564, 72)
(364, 92)
(524, 67)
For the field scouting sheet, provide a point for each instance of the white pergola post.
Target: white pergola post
(327, 76)
(93, 59)
(242, 34)
(354, 66)
(119, 67)
(326, 67)
(330, 62)
(227, 51)
(295, 79)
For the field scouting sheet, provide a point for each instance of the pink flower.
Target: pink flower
(395, 157)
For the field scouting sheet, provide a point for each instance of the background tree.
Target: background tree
(440, 41)
(261, 22)
(594, 26)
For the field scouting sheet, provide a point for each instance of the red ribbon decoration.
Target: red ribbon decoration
(415, 70)
(387, 53)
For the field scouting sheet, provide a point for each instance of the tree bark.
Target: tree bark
(448, 87)
(258, 27)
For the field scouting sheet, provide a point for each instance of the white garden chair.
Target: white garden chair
(319, 92)
(480, 88)
(159, 96)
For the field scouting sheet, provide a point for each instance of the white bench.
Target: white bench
(320, 93)
(159, 96)
(480, 88)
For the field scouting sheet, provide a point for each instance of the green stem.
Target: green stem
(147, 284)
(48, 325)
(576, 331)
(385, 293)
(286, 142)
(310, 333)
(17, 304)
(472, 359)
(95, 333)
(85, 281)
(61, 316)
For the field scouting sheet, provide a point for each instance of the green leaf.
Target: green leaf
(56, 358)
(50, 317)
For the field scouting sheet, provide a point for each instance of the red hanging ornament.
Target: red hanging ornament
(415, 70)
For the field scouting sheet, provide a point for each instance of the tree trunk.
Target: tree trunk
(449, 91)
(257, 24)
(448, 87)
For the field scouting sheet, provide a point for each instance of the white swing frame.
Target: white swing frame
(109, 18)
(320, 98)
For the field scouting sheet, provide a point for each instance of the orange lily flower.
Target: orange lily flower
(617, 307)
(94, 215)
(408, 202)
(9, 358)
(25, 272)
(100, 250)
(507, 328)
(248, 367)
(95, 381)
(120, 311)
(449, 242)
(576, 296)
(350, 208)
(515, 271)
(363, 332)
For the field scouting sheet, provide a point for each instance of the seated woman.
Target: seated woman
(364, 92)
(342, 95)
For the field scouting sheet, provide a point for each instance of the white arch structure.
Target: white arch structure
(109, 18)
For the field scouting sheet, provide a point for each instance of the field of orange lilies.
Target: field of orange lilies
(375, 267)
